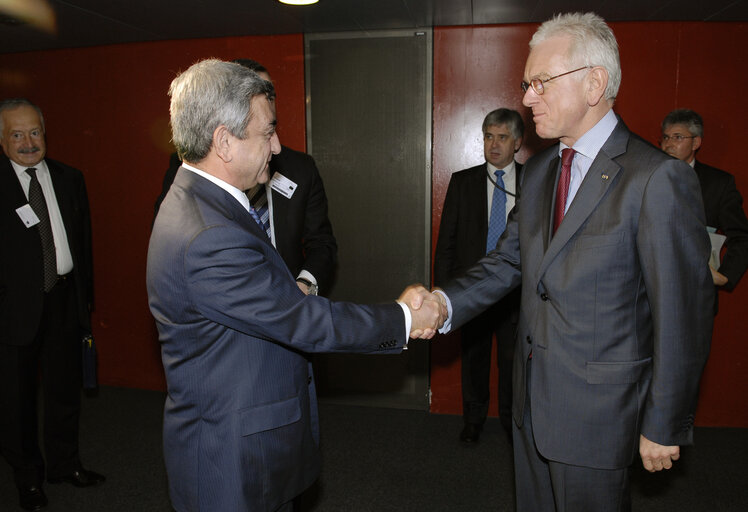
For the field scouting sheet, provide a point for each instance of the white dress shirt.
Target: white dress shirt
(62, 248)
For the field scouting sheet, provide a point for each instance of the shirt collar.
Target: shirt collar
(40, 166)
(590, 143)
(508, 170)
(235, 192)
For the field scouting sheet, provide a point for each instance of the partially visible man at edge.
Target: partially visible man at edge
(46, 293)
(240, 420)
(682, 136)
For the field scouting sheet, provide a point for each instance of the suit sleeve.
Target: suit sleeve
(244, 289)
(673, 250)
(490, 279)
(320, 247)
(733, 223)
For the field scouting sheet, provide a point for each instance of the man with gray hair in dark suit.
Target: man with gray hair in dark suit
(682, 136)
(240, 422)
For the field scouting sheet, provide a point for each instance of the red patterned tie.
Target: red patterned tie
(562, 192)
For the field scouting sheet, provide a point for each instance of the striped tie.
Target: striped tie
(497, 220)
(39, 205)
(259, 202)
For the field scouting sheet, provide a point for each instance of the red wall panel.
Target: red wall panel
(107, 113)
(106, 110)
(665, 66)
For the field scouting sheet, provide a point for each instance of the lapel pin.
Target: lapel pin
(604, 176)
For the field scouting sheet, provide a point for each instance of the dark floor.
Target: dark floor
(377, 460)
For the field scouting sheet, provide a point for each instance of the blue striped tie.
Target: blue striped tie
(497, 221)
(259, 202)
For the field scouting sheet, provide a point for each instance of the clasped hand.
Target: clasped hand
(428, 311)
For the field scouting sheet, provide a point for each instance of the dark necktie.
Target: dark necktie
(254, 215)
(259, 202)
(562, 191)
(497, 220)
(39, 205)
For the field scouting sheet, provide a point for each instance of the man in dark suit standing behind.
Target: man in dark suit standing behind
(682, 135)
(240, 420)
(475, 209)
(609, 244)
(46, 291)
(293, 208)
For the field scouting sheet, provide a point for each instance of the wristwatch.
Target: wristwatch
(313, 288)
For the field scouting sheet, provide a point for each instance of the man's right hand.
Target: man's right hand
(428, 311)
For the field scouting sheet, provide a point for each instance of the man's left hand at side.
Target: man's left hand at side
(717, 278)
(657, 457)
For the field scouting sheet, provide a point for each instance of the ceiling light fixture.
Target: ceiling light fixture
(298, 2)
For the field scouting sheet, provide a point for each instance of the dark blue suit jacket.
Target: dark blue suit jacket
(240, 421)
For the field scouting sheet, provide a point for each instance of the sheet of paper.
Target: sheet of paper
(717, 242)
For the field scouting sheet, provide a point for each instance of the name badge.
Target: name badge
(27, 215)
(283, 185)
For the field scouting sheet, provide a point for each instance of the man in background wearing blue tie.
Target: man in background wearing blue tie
(477, 203)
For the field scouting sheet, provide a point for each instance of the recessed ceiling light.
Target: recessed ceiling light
(298, 2)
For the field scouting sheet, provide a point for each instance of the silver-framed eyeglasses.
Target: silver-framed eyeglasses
(537, 83)
(676, 138)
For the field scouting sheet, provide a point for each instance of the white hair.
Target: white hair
(593, 44)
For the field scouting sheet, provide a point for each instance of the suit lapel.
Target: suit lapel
(10, 186)
(599, 178)
(479, 186)
(548, 200)
(64, 199)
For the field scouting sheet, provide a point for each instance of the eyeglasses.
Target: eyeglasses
(537, 83)
(676, 138)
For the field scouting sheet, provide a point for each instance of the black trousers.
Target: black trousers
(500, 319)
(55, 356)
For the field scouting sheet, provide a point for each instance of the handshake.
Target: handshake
(428, 311)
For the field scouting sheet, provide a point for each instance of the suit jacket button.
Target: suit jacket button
(528, 340)
(309, 380)
(544, 297)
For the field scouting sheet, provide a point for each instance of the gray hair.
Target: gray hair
(508, 117)
(685, 116)
(209, 94)
(593, 44)
(13, 103)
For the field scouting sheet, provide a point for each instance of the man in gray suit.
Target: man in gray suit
(240, 420)
(609, 243)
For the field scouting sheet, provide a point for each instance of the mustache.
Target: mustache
(25, 151)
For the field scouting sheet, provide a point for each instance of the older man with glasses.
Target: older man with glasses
(608, 244)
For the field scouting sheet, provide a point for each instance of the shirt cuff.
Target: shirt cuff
(408, 323)
(448, 322)
(308, 276)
